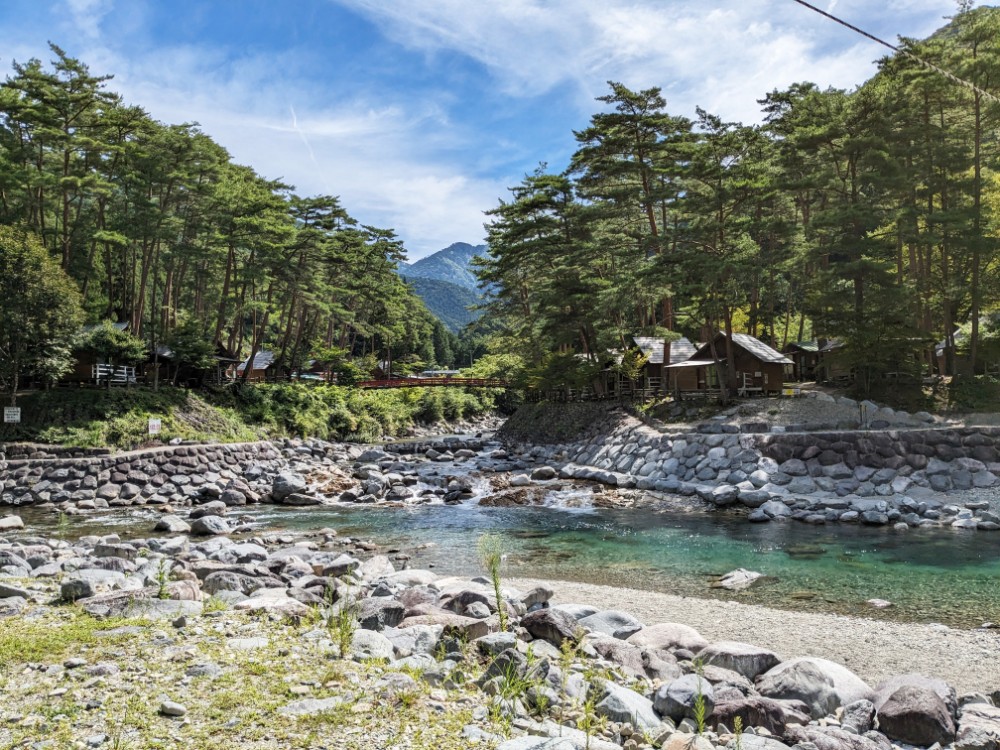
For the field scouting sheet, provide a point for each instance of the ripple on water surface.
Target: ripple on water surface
(929, 575)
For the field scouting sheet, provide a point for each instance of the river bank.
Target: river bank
(874, 649)
(319, 640)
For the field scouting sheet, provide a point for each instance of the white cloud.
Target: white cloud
(86, 15)
(723, 58)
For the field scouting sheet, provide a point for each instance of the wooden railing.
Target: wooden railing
(435, 382)
(120, 375)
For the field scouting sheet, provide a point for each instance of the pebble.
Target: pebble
(170, 708)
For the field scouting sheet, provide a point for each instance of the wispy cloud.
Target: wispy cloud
(87, 15)
(495, 87)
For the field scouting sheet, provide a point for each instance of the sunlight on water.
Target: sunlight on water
(930, 576)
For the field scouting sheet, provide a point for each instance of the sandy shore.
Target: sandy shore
(967, 659)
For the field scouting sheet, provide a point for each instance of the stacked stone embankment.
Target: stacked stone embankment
(172, 474)
(879, 475)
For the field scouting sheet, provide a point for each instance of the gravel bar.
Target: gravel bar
(875, 650)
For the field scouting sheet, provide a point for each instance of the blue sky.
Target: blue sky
(420, 113)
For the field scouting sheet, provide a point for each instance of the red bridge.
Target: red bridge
(435, 382)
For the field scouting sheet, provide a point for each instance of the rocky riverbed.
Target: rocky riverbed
(315, 640)
(206, 628)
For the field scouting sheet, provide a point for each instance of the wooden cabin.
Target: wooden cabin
(805, 359)
(89, 367)
(262, 368)
(831, 367)
(654, 349)
(760, 369)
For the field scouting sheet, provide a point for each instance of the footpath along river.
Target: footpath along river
(929, 575)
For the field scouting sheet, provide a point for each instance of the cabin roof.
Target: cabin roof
(652, 347)
(261, 361)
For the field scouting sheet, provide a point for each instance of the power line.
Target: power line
(941, 71)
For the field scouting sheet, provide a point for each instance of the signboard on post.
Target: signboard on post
(154, 426)
(12, 414)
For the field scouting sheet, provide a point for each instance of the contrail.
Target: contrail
(312, 154)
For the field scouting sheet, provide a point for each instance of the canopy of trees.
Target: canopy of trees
(157, 227)
(868, 216)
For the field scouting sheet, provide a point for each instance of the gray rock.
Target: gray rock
(612, 622)
(979, 728)
(742, 658)
(801, 681)
(379, 613)
(311, 706)
(677, 699)
(916, 715)
(210, 526)
(553, 625)
(286, 484)
(859, 716)
(10, 523)
(172, 524)
(621, 704)
(170, 708)
(669, 636)
(367, 644)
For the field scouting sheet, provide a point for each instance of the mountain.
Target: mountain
(447, 284)
(453, 264)
(449, 302)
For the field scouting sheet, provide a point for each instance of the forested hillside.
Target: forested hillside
(113, 216)
(868, 216)
(452, 304)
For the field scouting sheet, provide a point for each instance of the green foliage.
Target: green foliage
(39, 311)
(491, 555)
(191, 347)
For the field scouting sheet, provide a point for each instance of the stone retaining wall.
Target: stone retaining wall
(156, 475)
(815, 476)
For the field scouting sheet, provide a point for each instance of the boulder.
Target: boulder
(822, 684)
(743, 658)
(621, 704)
(916, 715)
(210, 526)
(10, 523)
(945, 691)
(552, 625)
(367, 644)
(758, 711)
(172, 524)
(287, 483)
(612, 622)
(859, 716)
(834, 738)
(379, 613)
(979, 727)
(669, 636)
(677, 699)
(737, 580)
(802, 681)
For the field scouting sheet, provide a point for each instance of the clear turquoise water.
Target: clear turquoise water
(930, 576)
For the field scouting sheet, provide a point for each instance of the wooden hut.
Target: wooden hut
(805, 358)
(760, 369)
(263, 362)
(654, 372)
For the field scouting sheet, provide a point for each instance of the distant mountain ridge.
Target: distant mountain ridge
(447, 284)
(453, 264)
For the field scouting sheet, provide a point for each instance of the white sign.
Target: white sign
(12, 414)
(154, 426)
(791, 391)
